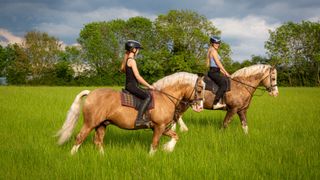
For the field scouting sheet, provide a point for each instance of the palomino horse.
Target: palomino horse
(244, 83)
(102, 107)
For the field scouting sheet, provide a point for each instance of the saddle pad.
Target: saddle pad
(129, 100)
(212, 86)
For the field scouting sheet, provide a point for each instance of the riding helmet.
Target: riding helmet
(130, 44)
(215, 39)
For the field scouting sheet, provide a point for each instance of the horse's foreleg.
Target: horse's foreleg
(243, 119)
(169, 146)
(228, 117)
(157, 132)
(98, 137)
(85, 130)
(183, 126)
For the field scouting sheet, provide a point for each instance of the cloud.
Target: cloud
(67, 25)
(9, 38)
(246, 36)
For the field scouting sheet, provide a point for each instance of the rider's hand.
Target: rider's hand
(227, 74)
(151, 87)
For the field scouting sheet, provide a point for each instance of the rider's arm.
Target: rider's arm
(219, 64)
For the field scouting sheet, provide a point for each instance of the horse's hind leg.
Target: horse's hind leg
(157, 132)
(84, 132)
(98, 137)
(169, 146)
(243, 118)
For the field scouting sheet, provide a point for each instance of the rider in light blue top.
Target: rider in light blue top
(216, 68)
(213, 62)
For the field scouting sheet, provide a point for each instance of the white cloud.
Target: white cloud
(246, 35)
(9, 38)
(72, 22)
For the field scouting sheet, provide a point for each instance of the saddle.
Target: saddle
(130, 100)
(212, 86)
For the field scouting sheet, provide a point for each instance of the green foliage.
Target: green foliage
(185, 36)
(63, 73)
(18, 69)
(42, 51)
(296, 48)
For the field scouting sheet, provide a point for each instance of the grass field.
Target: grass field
(283, 141)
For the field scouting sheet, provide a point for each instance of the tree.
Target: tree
(42, 51)
(18, 68)
(185, 35)
(296, 47)
(103, 45)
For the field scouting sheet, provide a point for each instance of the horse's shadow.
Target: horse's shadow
(211, 119)
(117, 137)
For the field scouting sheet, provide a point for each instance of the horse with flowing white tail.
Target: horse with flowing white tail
(244, 83)
(103, 107)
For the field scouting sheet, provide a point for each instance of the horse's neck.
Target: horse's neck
(177, 91)
(253, 81)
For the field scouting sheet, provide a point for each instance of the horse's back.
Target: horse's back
(101, 96)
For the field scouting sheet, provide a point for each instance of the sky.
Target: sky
(244, 24)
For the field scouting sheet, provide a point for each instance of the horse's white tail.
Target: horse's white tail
(72, 117)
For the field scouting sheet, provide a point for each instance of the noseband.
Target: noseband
(271, 87)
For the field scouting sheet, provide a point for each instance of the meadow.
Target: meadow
(283, 141)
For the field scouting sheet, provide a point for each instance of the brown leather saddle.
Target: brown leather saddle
(212, 86)
(129, 100)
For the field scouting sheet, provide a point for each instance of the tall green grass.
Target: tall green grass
(283, 141)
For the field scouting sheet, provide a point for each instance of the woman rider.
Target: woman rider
(133, 76)
(214, 61)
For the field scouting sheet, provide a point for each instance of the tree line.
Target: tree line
(176, 41)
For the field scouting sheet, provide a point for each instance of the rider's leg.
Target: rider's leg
(222, 83)
(141, 122)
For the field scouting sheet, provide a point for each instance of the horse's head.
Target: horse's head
(199, 89)
(270, 81)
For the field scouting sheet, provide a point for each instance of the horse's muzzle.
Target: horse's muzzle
(198, 107)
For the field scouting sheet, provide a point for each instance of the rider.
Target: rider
(214, 61)
(133, 76)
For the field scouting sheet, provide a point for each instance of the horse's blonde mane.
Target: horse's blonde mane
(251, 70)
(176, 78)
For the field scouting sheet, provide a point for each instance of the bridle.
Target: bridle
(272, 86)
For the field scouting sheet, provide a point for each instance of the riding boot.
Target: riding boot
(142, 122)
(218, 104)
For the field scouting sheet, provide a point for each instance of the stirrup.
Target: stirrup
(142, 123)
(219, 106)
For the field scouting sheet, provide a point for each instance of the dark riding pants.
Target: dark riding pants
(140, 93)
(220, 80)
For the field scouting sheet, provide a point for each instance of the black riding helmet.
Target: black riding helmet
(215, 39)
(130, 44)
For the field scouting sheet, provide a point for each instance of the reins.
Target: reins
(188, 102)
(263, 89)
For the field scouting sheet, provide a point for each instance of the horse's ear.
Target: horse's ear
(200, 74)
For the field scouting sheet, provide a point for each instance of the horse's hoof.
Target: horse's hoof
(74, 149)
(245, 129)
(169, 146)
(101, 150)
(152, 151)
